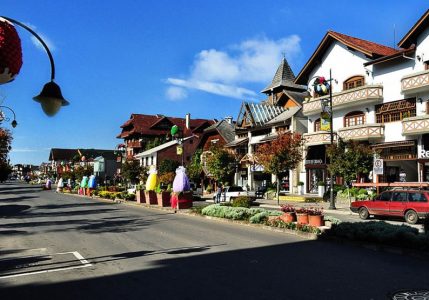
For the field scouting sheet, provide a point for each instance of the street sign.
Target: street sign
(377, 169)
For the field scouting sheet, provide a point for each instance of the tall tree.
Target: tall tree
(350, 159)
(5, 147)
(131, 171)
(221, 165)
(280, 155)
(194, 168)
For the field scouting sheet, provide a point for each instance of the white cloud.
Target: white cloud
(25, 150)
(37, 43)
(175, 93)
(224, 72)
(214, 88)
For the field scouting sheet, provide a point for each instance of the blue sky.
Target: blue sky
(114, 58)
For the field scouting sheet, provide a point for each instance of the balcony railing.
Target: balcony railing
(318, 138)
(134, 144)
(362, 132)
(415, 125)
(367, 94)
(416, 82)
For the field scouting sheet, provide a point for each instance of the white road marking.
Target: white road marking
(78, 256)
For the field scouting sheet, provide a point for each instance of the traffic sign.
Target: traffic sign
(377, 169)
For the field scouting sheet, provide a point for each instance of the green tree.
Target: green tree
(350, 159)
(194, 168)
(5, 147)
(81, 171)
(131, 171)
(167, 166)
(220, 165)
(280, 155)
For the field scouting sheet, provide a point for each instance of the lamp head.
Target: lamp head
(51, 98)
(14, 123)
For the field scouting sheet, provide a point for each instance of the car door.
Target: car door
(380, 205)
(398, 203)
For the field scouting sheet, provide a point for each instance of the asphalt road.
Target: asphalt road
(55, 246)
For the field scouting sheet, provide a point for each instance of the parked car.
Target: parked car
(409, 204)
(231, 192)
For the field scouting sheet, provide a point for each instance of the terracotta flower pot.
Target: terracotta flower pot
(288, 217)
(316, 221)
(140, 196)
(151, 197)
(302, 218)
(163, 199)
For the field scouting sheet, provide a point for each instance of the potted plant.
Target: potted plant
(301, 215)
(289, 213)
(321, 188)
(300, 188)
(315, 217)
(140, 196)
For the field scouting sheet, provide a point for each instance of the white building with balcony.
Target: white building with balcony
(379, 97)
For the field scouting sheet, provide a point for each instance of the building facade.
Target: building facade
(379, 97)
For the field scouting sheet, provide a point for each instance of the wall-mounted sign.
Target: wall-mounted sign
(314, 162)
(423, 154)
(179, 150)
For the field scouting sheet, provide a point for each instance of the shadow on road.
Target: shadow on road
(303, 270)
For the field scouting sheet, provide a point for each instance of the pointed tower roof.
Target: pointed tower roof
(284, 77)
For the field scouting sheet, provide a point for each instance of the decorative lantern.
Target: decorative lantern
(152, 180)
(174, 130)
(10, 52)
(181, 181)
(83, 158)
(321, 86)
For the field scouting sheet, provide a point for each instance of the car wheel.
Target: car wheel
(363, 213)
(411, 217)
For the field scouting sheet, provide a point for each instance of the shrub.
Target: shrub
(381, 232)
(241, 202)
(362, 192)
(209, 188)
(262, 216)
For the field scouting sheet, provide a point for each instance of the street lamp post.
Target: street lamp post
(50, 97)
(3, 117)
(322, 86)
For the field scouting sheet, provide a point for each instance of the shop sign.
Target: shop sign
(256, 168)
(314, 162)
(179, 150)
(423, 154)
(378, 167)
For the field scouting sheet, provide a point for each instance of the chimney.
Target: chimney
(229, 119)
(188, 121)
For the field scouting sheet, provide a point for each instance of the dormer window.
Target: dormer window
(353, 82)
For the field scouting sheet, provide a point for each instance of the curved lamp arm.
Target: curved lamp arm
(14, 122)
(51, 59)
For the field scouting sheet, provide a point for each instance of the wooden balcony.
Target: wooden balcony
(416, 82)
(362, 132)
(318, 138)
(134, 144)
(367, 94)
(415, 125)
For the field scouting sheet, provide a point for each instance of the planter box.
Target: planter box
(185, 200)
(163, 199)
(151, 197)
(288, 217)
(302, 218)
(140, 196)
(316, 221)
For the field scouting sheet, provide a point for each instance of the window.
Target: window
(399, 197)
(395, 111)
(354, 118)
(353, 82)
(317, 125)
(384, 196)
(417, 197)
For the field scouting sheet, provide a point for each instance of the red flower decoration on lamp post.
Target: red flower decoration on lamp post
(10, 51)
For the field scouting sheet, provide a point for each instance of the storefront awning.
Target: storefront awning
(408, 143)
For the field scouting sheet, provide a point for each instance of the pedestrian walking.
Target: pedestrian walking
(218, 194)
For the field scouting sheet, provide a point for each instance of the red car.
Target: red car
(409, 204)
